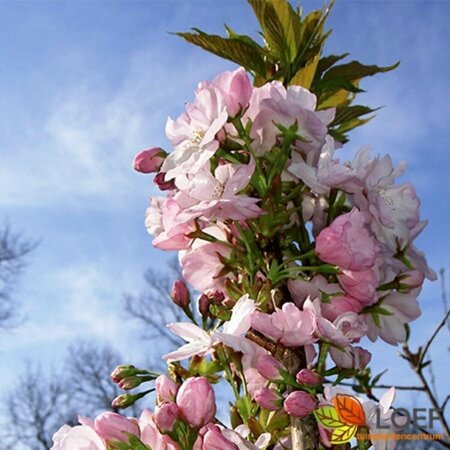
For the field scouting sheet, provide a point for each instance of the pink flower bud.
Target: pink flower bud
(166, 389)
(411, 279)
(163, 185)
(121, 372)
(306, 376)
(350, 357)
(196, 402)
(203, 305)
(165, 416)
(180, 294)
(360, 285)
(216, 296)
(340, 305)
(112, 427)
(347, 243)
(299, 404)
(149, 160)
(130, 382)
(268, 399)
(236, 89)
(269, 368)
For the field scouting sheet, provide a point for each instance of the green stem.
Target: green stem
(261, 185)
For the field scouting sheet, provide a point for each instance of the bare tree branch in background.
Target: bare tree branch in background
(14, 250)
(87, 371)
(39, 405)
(153, 308)
(35, 410)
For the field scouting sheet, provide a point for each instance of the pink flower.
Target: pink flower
(347, 243)
(340, 305)
(360, 285)
(196, 402)
(149, 160)
(180, 294)
(351, 357)
(346, 328)
(288, 325)
(201, 343)
(201, 263)
(162, 219)
(166, 389)
(165, 416)
(112, 427)
(268, 399)
(151, 436)
(306, 376)
(273, 105)
(213, 439)
(78, 437)
(269, 368)
(399, 309)
(299, 404)
(198, 340)
(219, 196)
(236, 89)
(411, 279)
(193, 134)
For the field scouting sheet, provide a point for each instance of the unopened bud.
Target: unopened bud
(111, 426)
(299, 404)
(269, 368)
(203, 305)
(121, 372)
(149, 160)
(162, 184)
(180, 294)
(126, 400)
(307, 377)
(165, 416)
(411, 279)
(216, 296)
(166, 389)
(268, 399)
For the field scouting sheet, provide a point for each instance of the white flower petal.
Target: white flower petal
(189, 332)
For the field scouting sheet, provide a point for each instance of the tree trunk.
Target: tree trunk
(304, 431)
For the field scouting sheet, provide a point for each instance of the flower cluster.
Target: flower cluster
(254, 167)
(297, 257)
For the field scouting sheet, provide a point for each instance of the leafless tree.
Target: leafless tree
(34, 410)
(14, 250)
(87, 371)
(153, 307)
(39, 405)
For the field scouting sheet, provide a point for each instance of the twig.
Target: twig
(433, 336)
(418, 367)
(385, 386)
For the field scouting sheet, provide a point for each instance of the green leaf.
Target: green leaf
(240, 37)
(347, 113)
(243, 53)
(328, 417)
(327, 61)
(280, 25)
(376, 379)
(305, 76)
(354, 70)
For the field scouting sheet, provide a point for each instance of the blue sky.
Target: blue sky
(85, 85)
